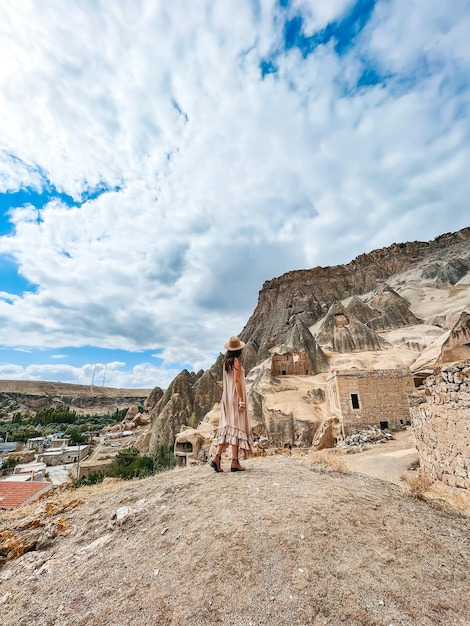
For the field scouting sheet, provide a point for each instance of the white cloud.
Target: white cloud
(222, 180)
(113, 374)
(317, 15)
(407, 37)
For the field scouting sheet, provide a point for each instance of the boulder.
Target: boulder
(132, 411)
(456, 346)
(141, 420)
(153, 398)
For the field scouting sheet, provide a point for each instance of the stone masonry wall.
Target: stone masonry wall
(382, 397)
(442, 425)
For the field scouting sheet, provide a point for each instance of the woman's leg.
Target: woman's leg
(215, 463)
(236, 467)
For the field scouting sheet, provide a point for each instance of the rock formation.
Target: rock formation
(328, 434)
(23, 396)
(457, 344)
(188, 398)
(393, 311)
(341, 331)
(207, 389)
(361, 310)
(188, 444)
(175, 408)
(134, 418)
(446, 273)
(153, 398)
(307, 294)
(300, 339)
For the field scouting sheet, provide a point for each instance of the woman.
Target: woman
(234, 426)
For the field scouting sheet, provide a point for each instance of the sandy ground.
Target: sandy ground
(288, 541)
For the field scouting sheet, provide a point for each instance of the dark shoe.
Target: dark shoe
(236, 467)
(215, 464)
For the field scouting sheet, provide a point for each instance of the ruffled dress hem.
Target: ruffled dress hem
(229, 435)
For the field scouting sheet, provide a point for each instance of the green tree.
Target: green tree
(76, 437)
(23, 433)
(163, 458)
(9, 462)
(93, 478)
(129, 463)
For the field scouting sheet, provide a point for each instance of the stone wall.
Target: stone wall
(370, 398)
(442, 425)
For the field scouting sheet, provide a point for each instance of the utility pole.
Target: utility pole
(93, 377)
(78, 464)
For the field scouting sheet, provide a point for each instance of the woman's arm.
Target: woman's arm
(237, 375)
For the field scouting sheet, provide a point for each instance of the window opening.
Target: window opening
(355, 400)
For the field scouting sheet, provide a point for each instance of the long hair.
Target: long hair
(230, 357)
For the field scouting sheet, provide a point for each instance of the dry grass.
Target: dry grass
(416, 486)
(328, 460)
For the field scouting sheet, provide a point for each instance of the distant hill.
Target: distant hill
(26, 395)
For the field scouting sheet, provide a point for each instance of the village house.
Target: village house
(98, 466)
(370, 398)
(65, 454)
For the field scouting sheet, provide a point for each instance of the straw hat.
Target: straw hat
(234, 344)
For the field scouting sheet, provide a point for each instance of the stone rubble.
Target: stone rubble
(365, 437)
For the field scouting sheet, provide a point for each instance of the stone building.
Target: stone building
(64, 454)
(99, 466)
(369, 398)
(294, 363)
(442, 425)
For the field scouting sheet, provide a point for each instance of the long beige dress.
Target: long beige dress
(234, 426)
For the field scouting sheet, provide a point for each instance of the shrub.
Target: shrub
(93, 478)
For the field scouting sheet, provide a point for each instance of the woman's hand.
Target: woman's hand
(241, 405)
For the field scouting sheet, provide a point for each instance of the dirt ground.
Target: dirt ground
(288, 541)
(388, 461)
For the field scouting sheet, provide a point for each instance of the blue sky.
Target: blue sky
(158, 163)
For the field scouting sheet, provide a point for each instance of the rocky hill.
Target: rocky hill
(289, 541)
(391, 308)
(24, 396)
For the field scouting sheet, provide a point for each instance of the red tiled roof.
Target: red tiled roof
(12, 494)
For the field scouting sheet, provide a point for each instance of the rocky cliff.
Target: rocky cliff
(308, 294)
